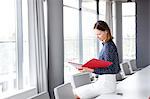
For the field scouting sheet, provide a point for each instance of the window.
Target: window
(8, 59)
(89, 5)
(102, 16)
(88, 36)
(26, 81)
(114, 21)
(71, 3)
(102, 10)
(71, 40)
(71, 32)
(14, 50)
(80, 42)
(129, 27)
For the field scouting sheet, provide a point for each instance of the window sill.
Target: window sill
(19, 94)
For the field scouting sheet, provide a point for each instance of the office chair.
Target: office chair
(64, 91)
(120, 76)
(133, 64)
(81, 79)
(126, 68)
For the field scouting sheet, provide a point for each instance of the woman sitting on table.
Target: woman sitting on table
(106, 82)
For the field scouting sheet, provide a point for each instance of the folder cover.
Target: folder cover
(93, 63)
(97, 63)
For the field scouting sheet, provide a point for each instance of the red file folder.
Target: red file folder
(96, 63)
(93, 63)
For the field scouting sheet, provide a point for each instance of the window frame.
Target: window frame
(19, 44)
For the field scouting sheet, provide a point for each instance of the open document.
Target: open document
(93, 63)
(76, 65)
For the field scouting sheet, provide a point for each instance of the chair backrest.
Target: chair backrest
(64, 91)
(81, 79)
(125, 68)
(43, 95)
(119, 77)
(133, 64)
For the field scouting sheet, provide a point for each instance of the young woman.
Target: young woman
(107, 81)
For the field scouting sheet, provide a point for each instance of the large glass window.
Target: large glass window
(71, 31)
(114, 21)
(14, 50)
(89, 38)
(102, 10)
(102, 16)
(128, 28)
(26, 81)
(8, 46)
(80, 42)
(71, 3)
(89, 5)
(71, 39)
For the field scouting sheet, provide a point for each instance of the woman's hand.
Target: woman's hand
(77, 97)
(86, 69)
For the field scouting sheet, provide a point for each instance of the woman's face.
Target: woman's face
(101, 35)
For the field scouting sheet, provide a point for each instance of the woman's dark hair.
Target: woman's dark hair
(101, 25)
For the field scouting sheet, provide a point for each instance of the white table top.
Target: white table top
(136, 86)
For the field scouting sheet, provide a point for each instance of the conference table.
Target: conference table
(136, 86)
